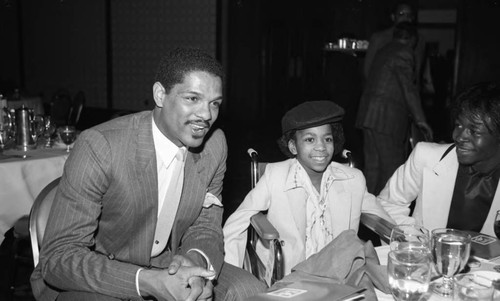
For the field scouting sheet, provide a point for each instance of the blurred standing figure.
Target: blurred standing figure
(389, 99)
(138, 211)
(402, 12)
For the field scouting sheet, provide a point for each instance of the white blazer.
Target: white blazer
(431, 181)
(277, 192)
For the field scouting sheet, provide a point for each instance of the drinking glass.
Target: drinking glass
(68, 135)
(450, 252)
(471, 287)
(5, 128)
(496, 225)
(4, 136)
(408, 236)
(409, 274)
(50, 129)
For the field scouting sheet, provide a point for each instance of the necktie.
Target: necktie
(170, 205)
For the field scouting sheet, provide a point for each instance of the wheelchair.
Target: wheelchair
(261, 229)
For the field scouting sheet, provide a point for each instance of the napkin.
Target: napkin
(345, 260)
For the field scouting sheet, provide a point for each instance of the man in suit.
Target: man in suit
(401, 12)
(138, 211)
(455, 185)
(389, 98)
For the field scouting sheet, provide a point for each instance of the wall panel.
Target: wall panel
(142, 31)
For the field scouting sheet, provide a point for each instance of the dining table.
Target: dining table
(23, 175)
(487, 268)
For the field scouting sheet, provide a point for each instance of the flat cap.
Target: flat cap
(310, 114)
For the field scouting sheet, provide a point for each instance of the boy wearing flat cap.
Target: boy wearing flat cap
(310, 199)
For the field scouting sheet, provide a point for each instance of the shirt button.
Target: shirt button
(157, 242)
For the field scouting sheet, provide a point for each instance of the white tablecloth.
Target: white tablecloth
(22, 179)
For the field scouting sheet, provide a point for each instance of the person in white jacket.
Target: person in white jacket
(309, 199)
(455, 185)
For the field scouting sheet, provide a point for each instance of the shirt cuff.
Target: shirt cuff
(209, 264)
(137, 281)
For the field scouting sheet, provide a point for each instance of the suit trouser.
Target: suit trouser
(233, 284)
(383, 155)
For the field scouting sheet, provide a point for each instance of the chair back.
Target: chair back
(39, 216)
(59, 107)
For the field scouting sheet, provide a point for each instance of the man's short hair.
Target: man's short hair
(405, 31)
(481, 102)
(180, 61)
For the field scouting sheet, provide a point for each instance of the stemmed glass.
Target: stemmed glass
(409, 274)
(50, 129)
(450, 251)
(68, 135)
(410, 237)
(496, 225)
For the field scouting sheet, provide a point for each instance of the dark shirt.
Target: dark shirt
(472, 198)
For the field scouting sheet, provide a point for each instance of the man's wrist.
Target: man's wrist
(146, 282)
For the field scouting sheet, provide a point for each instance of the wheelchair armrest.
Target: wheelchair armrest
(378, 225)
(263, 227)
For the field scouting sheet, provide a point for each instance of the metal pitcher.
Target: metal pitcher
(24, 139)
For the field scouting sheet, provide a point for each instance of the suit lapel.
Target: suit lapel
(297, 198)
(191, 198)
(340, 200)
(340, 206)
(439, 183)
(144, 187)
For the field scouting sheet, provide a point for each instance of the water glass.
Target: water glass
(408, 236)
(471, 287)
(409, 274)
(450, 252)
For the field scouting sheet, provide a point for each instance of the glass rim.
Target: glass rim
(451, 230)
(411, 225)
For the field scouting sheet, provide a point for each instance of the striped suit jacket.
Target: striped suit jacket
(391, 94)
(101, 227)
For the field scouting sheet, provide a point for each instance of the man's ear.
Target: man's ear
(291, 147)
(158, 94)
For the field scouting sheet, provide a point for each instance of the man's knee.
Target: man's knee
(237, 284)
